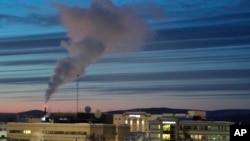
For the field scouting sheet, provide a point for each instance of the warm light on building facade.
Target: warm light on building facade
(27, 131)
(138, 121)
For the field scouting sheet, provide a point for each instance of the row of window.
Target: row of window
(19, 140)
(30, 140)
(20, 131)
(169, 137)
(204, 128)
(204, 137)
(65, 132)
(191, 127)
(16, 131)
(49, 132)
(165, 137)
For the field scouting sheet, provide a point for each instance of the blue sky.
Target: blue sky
(199, 58)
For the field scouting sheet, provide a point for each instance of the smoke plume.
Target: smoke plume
(101, 27)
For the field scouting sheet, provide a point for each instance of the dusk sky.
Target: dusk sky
(156, 53)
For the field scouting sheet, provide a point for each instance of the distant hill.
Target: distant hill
(233, 115)
(11, 117)
(7, 117)
(150, 110)
(227, 112)
(33, 113)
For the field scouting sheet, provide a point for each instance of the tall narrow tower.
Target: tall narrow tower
(45, 108)
(77, 93)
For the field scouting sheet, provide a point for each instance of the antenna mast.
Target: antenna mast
(77, 93)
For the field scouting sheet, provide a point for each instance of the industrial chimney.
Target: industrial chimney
(45, 109)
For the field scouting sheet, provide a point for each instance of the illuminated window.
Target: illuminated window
(195, 136)
(26, 131)
(209, 127)
(166, 137)
(166, 128)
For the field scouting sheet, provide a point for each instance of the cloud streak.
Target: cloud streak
(201, 50)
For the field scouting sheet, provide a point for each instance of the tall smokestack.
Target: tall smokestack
(101, 27)
(45, 109)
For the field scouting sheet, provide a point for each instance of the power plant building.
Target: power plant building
(66, 132)
(67, 127)
(119, 127)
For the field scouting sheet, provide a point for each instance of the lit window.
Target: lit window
(26, 131)
(208, 128)
(166, 137)
(166, 127)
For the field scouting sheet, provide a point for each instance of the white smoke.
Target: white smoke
(101, 27)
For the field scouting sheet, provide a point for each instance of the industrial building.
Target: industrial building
(190, 126)
(66, 132)
(67, 127)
